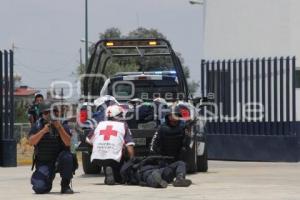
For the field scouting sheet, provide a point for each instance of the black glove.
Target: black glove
(186, 142)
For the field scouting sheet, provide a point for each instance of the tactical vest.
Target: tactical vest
(49, 147)
(171, 140)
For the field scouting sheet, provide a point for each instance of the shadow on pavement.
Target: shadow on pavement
(90, 175)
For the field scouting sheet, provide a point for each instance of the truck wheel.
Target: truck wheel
(191, 159)
(202, 164)
(87, 166)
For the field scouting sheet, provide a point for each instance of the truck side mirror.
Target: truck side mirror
(196, 100)
(209, 98)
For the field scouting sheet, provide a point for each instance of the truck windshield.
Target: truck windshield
(148, 64)
(140, 56)
(110, 60)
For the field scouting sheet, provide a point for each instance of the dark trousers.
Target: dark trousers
(44, 173)
(167, 173)
(116, 167)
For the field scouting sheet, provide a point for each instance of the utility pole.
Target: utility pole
(203, 3)
(80, 54)
(13, 47)
(62, 110)
(86, 33)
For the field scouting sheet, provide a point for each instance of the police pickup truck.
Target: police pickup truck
(140, 70)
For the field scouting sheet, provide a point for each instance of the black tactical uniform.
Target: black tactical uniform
(155, 171)
(51, 155)
(170, 140)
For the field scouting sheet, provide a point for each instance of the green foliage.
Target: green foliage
(193, 86)
(21, 113)
(186, 72)
(81, 69)
(111, 33)
(145, 33)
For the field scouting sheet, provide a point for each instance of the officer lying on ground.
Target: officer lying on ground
(108, 140)
(51, 142)
(154, 171)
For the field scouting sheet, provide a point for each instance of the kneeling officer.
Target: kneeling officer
(51, 140)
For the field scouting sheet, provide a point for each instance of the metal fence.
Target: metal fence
(254, 98)
(7, 141)
(21, 130)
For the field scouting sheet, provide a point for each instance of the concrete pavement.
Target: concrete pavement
(225, 180)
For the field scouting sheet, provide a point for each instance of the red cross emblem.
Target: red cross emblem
(108, 132)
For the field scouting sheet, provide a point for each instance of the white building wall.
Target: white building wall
(253, 28)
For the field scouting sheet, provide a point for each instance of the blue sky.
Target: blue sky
(47, 33)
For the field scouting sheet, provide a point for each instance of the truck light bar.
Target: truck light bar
(142, 77)
(164, 72)
(133, 43)
(109, 44)
(152, 43)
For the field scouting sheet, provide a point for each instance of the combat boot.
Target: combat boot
(65, 187)
(109, 176)
(181, 181)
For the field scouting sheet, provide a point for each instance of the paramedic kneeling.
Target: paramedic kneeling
(108, 141)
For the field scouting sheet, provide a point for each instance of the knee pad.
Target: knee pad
(41, 183)
(39, 190)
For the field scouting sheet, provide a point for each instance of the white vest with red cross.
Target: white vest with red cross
(108, 141)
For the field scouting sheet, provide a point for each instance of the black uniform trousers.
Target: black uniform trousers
(168, 173)
(44, 173)
(116, 167)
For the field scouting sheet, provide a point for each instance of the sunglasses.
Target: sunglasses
(46, 112)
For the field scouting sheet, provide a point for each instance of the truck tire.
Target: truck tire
(191, 159)
(87, 166)
(202, 163)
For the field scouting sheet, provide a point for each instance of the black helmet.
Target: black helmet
(44, 107)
